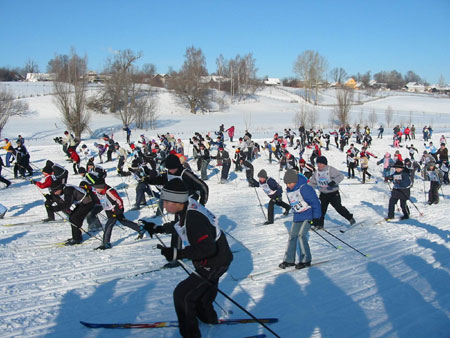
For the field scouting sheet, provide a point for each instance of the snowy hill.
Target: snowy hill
(402, 289)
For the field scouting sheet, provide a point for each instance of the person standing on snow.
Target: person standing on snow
(205, 244)
(326, 179)
(75, 202)
(114, 208)
(224, 157)
(400, 191)
(275, 193)
(2, 179)
(435, 176)
(307, 212)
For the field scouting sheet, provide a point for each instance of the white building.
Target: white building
(272, 81)
(35, 77)
(414, 87)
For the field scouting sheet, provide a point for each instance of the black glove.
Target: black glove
(150, 227)
(332, 184)
(32, 181)
(168, 252)
(315, 222)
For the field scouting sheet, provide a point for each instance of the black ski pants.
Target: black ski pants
(77, 217)
(351, 170)
(193, 298)
(365, 172)
(270, 209)
(112, 219)
(225, 169)
(396, 195)
(4, 180)
(333, 198)
(433, 194)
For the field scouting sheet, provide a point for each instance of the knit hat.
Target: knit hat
(56, 185)
(262, 174)
(322, 159)
(47, 170)
(302, 160)
(82, 170)
(291, 176)
(398, 164)
(173, 162)
(175, 191)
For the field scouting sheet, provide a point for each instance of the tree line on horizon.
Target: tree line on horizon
(127, 95)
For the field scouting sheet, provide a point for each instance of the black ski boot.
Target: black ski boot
(284, 265)
(301, 265)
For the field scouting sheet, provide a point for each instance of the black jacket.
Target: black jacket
(204, 250)
(194, 185)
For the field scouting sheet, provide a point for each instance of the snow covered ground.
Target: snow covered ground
(401, 290)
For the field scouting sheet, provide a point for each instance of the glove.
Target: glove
(315, 222)
(150, 227)
(168, 252)
(332, 184)
(32, 182)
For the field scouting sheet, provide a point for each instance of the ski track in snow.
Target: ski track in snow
(401, 290)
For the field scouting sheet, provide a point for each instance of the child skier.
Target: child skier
(307, 212)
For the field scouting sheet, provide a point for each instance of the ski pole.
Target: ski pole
(125, 189)
(73, 225)
(186, 268)
(345, 243)
(326, 240)
(424, 192)
(262, 209)
(409, 199)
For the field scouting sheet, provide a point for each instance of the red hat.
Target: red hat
(302, 160)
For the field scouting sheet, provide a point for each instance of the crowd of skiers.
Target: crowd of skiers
(163, 175)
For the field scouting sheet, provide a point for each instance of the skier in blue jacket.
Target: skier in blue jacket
(274, 191)
(307, 213)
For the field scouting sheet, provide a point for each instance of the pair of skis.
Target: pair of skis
(174, 323)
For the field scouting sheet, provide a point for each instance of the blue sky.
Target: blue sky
(356, 35)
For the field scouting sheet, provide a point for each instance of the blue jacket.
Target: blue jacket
(309, 196)
(402, 180)
(274, 189)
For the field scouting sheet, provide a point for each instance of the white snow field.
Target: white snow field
(400, 289)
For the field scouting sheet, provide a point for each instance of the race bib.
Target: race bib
(297, 202)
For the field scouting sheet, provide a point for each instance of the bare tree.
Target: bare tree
(300, 117)
(121, 92)
(441, 81)
(247, 115)
(242, 74)
(344, 97)
(188, 84)
(339, 75)
(310, 67)
(70, 93)
(388, 115)
(221, 65)
(410, 119)
(312, 118)
(30, 67)
(10, 107)
(146, 115)
(373, 119)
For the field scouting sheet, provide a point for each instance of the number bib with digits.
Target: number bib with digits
(323, 178)
(296, 201)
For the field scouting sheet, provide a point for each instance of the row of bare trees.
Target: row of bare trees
(10, 107)
(122, 94)
(236, 76)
